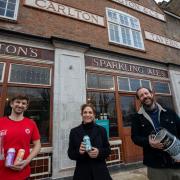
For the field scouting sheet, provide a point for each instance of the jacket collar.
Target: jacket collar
(144, 113)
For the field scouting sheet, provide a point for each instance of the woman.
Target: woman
(90, 165)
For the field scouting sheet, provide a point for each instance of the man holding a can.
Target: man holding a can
(149, 120)
(19, 131)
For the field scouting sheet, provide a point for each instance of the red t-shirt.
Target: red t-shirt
(19, 135)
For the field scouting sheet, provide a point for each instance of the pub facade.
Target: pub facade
(63, 54)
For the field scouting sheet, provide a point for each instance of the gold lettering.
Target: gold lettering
(33, 52)
(22, 51)
(11, 49)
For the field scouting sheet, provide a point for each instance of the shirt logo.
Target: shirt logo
(27, 131)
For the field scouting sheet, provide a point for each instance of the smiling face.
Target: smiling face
(146, 97)
(19, 106)
(88, 115)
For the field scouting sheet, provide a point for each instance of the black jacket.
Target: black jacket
(142, 127)
(89, 168)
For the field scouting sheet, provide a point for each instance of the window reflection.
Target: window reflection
(100, 81)
(127, 104)
(165, 101)
(105, 106)
(39, 107)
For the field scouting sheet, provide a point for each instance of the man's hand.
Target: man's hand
(20, 165)
(93, 153)
(155, 144)
(82, 149)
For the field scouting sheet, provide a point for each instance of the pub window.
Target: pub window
(100, 81)
(2, 65)
(39, 107)
(161, 87)
(127, 104)
(9, 9)
(124, 29)
(165, 101)
(131, 84)
(104, 103)
(29, 74)
(34, 81)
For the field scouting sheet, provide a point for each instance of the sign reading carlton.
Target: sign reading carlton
(63, 10)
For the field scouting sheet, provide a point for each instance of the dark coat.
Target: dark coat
(89, 168)
(142, 127)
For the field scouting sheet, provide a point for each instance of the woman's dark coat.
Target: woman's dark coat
(89, 168)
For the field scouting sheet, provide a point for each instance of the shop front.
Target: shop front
(111, 86)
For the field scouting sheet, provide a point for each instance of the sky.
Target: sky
(161, 0)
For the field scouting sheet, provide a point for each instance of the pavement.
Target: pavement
(135, 174)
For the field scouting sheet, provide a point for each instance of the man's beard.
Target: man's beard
(149, 105)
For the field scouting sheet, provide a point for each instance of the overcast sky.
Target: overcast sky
(161, 0)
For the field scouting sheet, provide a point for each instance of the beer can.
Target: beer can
(87, 143)
(19, 156)
(10, 157)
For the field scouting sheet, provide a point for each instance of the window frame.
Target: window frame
(15, 12)
(130, 28)
(112, 90)
(50, 75)
(3, 71)
(160, 93)
(129, 84)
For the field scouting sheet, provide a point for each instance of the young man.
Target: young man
(150, 118)
(19, 132)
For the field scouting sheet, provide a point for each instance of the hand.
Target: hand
(155, 144)
(93, 153)
(178, 161)
(82, 149)
(19, 166)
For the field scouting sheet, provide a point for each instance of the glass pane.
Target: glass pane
(137, 39)
(2, 11)
(145, 83)
(161, 87)
(105, 106)
(100, 81)
(165, 101)
(12, 1)
(123, 84)
(114, 33)
(3, 4)
(39, 107)
(128, 108)
(11, 6)
(10, 13)
(126, 35)
(30, 74)
(134, 23)
(112, 16)
(1, 70)
(135, 84)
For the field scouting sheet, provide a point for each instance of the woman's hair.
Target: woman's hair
(88, 105)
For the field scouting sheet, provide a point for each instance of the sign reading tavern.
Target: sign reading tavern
(141, 9)
(120, 66)
(66, 11)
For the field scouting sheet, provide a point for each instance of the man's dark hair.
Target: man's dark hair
(142, 88)
(20, 97)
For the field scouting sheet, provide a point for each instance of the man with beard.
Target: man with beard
(19, 132)
(150, 118)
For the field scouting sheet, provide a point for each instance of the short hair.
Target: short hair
(88, 105)
(20, 97)
(142, 88)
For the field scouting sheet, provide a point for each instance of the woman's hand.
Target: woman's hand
(82, 149)
(93, 153)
